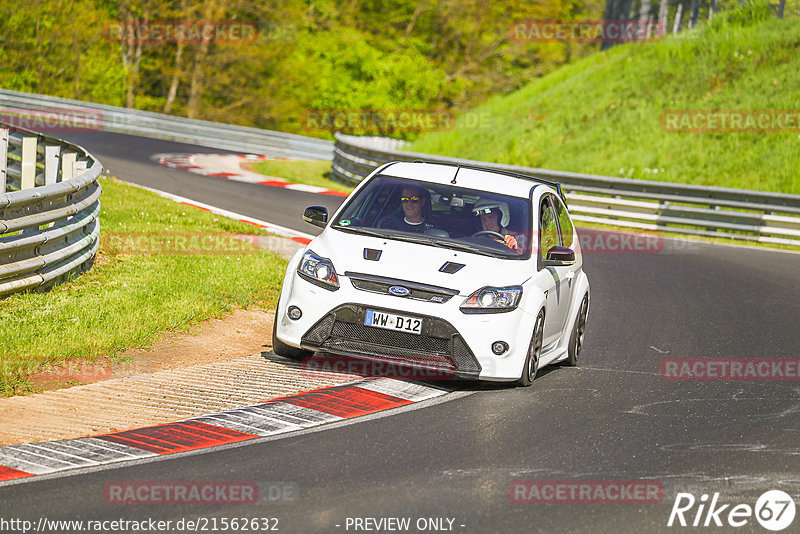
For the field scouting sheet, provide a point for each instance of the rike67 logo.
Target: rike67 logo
(774, 510)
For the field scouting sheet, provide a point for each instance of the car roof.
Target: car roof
(469, 177)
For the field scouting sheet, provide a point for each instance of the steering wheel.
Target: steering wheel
(491, 233)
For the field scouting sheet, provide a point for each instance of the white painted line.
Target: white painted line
(53, 454)
(305, 417)
(18, 457)
(401, 389)
(49, 451)
(271, 227)
(227, 421)
(249, 422)
(117, 447)
(269, 418)
(93, 449)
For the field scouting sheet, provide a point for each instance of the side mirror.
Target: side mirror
(316, 215)
(559, 257)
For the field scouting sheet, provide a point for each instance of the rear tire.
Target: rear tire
(531, 366)
(576, 339)
(282, 349)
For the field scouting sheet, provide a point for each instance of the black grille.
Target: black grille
(391, 353)
(417, 291)
(321, 330)
(439, 345)
(463, 357)
(390, 338)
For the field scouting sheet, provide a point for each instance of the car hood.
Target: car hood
(417, 263)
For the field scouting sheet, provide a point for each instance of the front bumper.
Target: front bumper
(438, 348)
(451, 341)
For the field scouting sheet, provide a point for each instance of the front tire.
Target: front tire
(531, 366)
(576, 339)
(282, 349)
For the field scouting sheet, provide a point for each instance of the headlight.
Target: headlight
(492, 300)
(318, 271)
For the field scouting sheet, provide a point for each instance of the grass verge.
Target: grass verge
(149, 277)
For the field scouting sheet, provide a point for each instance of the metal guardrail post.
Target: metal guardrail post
(28, 170)
(51, 153)
(28, 164)
(68, 166)
(3, 158)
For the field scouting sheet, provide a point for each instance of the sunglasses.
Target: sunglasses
(413, 199)
(482, 211)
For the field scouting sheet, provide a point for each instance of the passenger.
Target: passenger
(415, 216)
(495, 216)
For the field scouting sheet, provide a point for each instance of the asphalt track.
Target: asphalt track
(612, 418)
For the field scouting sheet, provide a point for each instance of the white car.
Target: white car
(465, 270)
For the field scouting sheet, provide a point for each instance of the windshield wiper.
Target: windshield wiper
(431, 240)
(361, 230)
(414, 238)
(423, 240)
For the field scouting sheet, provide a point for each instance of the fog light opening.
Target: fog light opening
(499, 347)
(294, 313)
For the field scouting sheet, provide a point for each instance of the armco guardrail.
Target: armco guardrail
(49, 208)
(239, 139)
(685, 209)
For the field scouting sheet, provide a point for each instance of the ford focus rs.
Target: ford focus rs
(467, 271)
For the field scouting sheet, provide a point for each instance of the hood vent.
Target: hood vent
(372, 254)
(450, 267)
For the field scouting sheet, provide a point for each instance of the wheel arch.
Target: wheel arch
(581, 289)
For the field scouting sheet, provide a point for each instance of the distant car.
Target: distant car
(464, 270)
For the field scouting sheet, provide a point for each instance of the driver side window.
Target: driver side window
(548, 229)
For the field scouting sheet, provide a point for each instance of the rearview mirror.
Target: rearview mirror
(559, 257)
(316, 215)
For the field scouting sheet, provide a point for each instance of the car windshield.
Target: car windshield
(448, 216)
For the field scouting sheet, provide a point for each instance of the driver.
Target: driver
(415, 201)
(494, 215)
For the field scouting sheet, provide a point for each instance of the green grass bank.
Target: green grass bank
(162, 266)
(603, 114)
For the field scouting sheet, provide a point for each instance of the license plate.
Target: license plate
(392, 321)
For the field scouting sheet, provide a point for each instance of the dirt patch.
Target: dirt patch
(235, 335)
